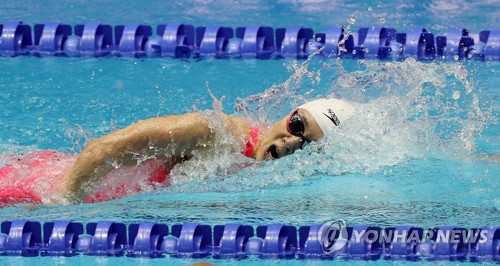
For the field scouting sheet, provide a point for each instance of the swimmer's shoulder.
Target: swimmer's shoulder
(197, 121)
(243, 125)
(187, 118)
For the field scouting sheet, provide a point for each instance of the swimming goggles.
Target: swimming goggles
(295, 126)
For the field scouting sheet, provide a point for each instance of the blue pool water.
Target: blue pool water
(423, 148)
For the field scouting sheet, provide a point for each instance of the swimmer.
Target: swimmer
(176, 138)
(170, 140)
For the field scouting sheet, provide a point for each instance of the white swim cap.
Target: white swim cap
(329, 112)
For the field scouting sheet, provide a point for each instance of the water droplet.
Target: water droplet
(352, 19)
(456, 95)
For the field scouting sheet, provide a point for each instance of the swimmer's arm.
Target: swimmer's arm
(178, 135)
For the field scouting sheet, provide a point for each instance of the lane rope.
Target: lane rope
(263, 42)
(319, 241)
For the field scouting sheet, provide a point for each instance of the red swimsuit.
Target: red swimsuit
(253, 139)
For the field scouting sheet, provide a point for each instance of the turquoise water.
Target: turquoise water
(423, 148)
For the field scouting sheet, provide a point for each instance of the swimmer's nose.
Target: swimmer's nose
(292, 143)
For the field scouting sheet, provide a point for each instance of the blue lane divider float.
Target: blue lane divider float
(60, 238)
(401, 244)
(487, 48)
(15, 38)
(50, 38)
(93, 39)
(334, 43)
(279, 240)
(455, 45)
(292, 41)
(103, 238)
(175, 40)
(131, 39)
(374, 43)
(155, 240)
(213, 40)
(146, 239)
(190, 239)
(231, 240)
(21, 237)
(258, 41)
(253, 41)
(417, 43)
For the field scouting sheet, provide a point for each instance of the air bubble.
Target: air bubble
(370, 9)
(381, 20)
(455, 57)
(456, 95)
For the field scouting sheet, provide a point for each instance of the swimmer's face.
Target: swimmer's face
(286, 135)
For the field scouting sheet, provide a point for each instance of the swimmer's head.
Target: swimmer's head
(308, 122)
